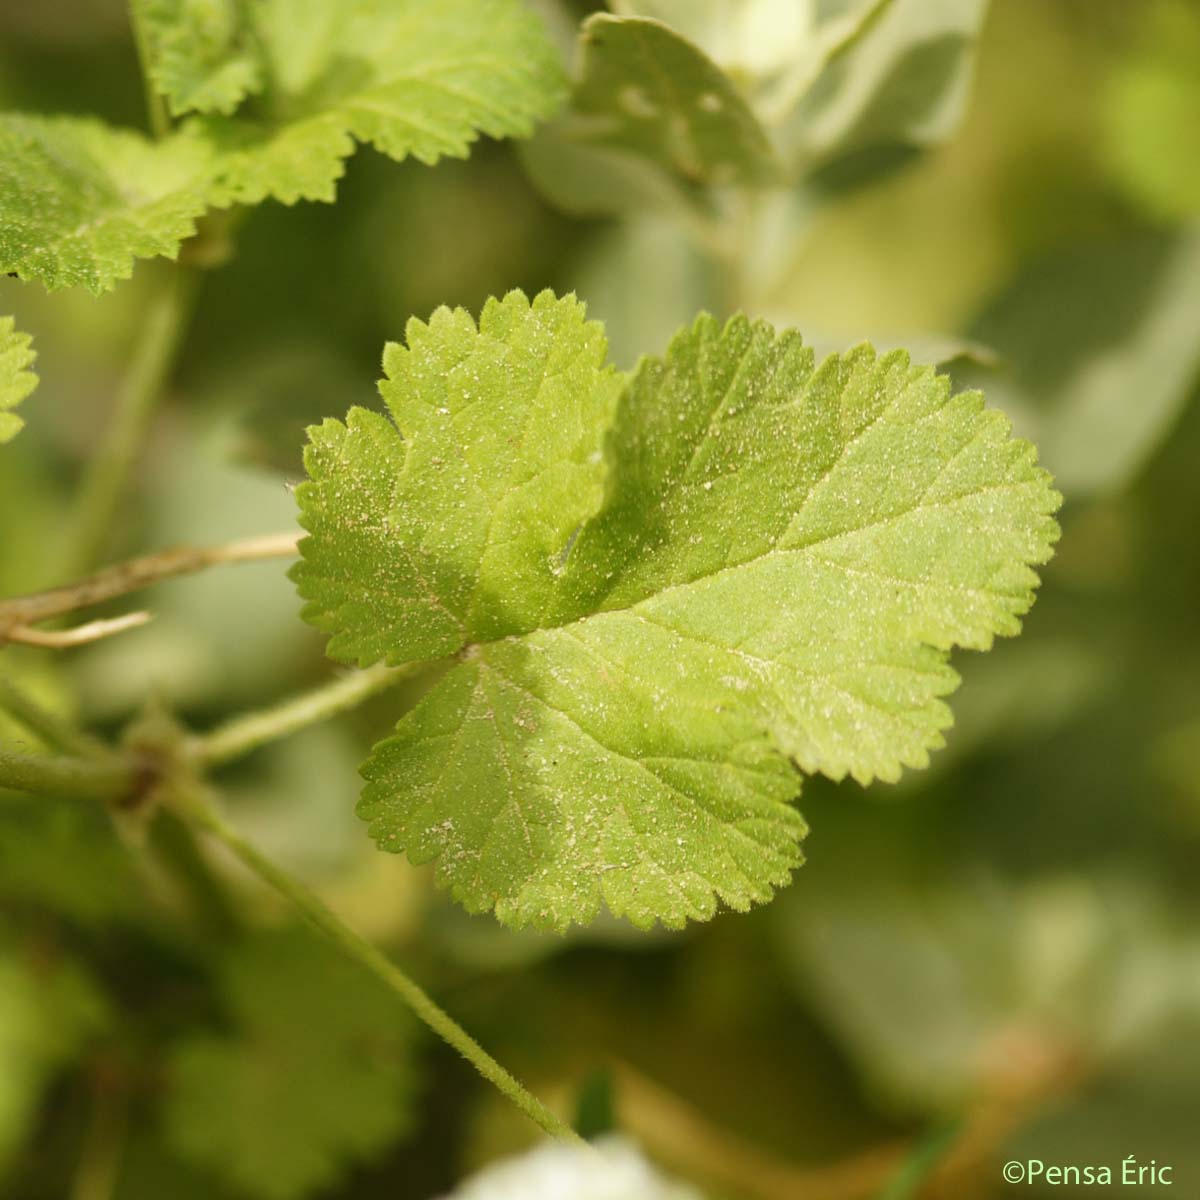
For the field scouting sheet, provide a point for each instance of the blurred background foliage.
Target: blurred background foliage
(1001, 953)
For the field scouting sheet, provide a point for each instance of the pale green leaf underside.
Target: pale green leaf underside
(780, 560)
(79, 200)
(407, 76)
(202, 55)
(16, 380)
(647, 90)
(772, 49)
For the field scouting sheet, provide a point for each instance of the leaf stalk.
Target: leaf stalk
(156, 109)
(243, 734)
(199, 809)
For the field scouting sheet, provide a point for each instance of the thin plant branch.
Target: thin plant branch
(243, 734)
(78, 635)
(195, 805)
(110, 781)
(680, 1133)
(156, 109)
(138, 573)
(55, 731)
(107, 475)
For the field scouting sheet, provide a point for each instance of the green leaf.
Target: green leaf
(419, 549)
(202, 53)
(79, 200)
(648, 90)
(782, 557)
(16, 380)
(409, 77)
(315, 1077)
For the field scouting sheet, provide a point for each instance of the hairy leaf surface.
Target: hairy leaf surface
(16, 380)
(767, 566)
(79, 200)
(411, 78)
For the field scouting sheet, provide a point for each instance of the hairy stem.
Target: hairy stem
(246, 733)
(108, 473)
(138, 573)
(197, 806)
(156, 109)
(93, 779)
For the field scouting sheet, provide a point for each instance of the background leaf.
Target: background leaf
(79, 201)
(202, 53)
(407, 77)
(646, 89)
(314, 1076)
(1124, 312)
(902, 81)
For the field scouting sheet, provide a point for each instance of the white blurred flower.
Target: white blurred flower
(616, 1171)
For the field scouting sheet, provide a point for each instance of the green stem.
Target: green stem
(108, 473)
(156, 110)
(174, 842)
(246, 733)
(104, 1144)
(925, 1158)
(93, 779)
(51, 728)
(363, 952)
